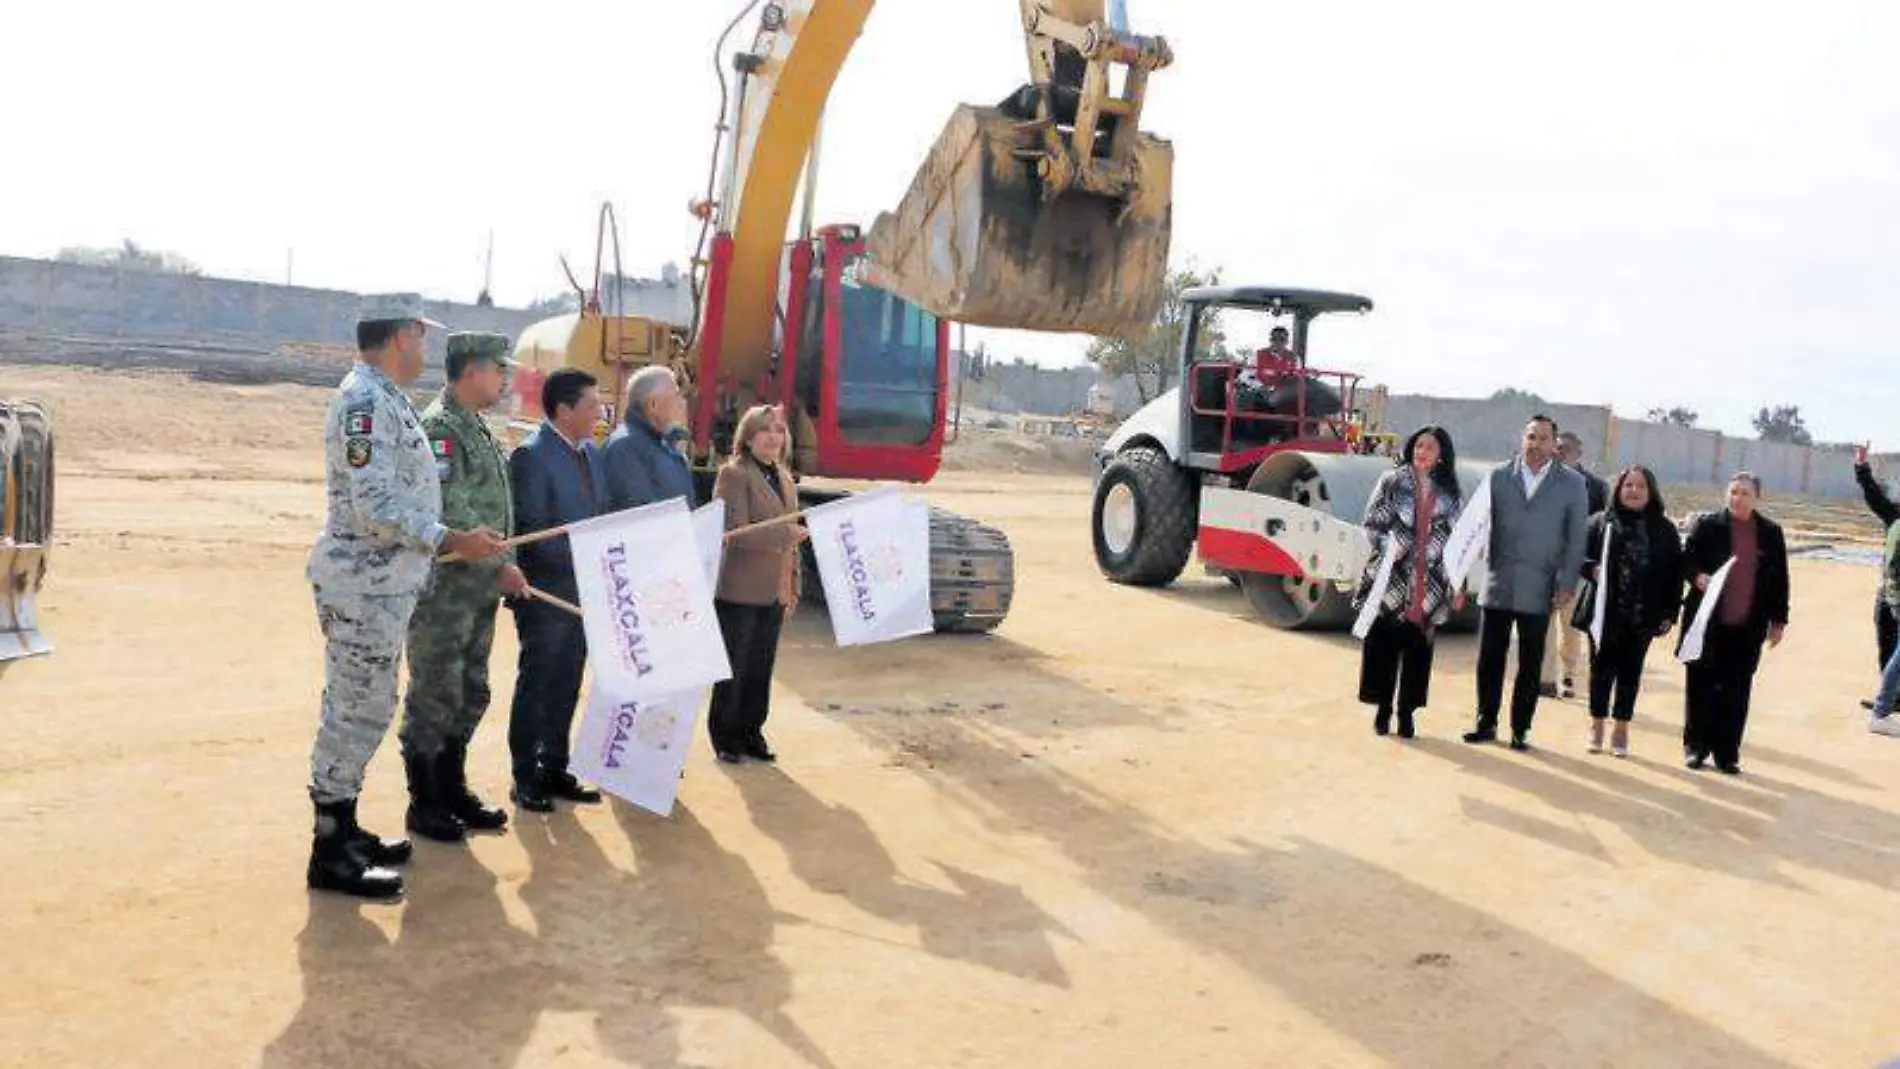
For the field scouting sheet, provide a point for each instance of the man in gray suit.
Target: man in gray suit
(1539, 510)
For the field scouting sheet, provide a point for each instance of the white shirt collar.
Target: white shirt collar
(1534, 479)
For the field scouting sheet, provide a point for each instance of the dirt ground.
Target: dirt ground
(1134, 828)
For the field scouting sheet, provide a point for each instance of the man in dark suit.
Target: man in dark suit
(1538, 524)
(645, 460)
(557, 480)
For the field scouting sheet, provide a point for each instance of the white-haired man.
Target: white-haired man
(644, 461)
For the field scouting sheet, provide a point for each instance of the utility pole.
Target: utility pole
(484, 299)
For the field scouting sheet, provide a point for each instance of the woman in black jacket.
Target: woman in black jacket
(1411, 514)
(1753, 609)
(1642, 595)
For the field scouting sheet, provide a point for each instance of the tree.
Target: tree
(1151, 356)
(130, 256)
(1676, 416)
(1783, 423)
(1530, 402)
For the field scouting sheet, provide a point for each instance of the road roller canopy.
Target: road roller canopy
(1276, 299)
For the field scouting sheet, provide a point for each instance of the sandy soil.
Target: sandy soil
(1134, 828)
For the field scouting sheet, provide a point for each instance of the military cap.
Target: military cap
(479, 345)
(394, 308)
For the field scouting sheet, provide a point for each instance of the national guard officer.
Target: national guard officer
(380, 532)
(454, 626)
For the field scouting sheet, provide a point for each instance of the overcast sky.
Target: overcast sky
(1669, 202)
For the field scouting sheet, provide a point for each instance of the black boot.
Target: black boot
(1407, 728)
(337, 860)
(429, 814)
(1382, 720)
(380, 851)
(452, 772)
(531, 793)
(564, 786)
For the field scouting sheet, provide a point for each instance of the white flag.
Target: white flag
(1370, 611)
(1692, 639)
(635, 749)
(1602, 607)
(1470, 536)
(647, 607)
(873, 553)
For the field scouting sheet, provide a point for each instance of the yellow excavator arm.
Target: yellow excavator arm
(1050, 211)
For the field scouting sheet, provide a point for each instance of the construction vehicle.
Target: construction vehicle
(1050, 212)
(26, 526)
(1251, 458)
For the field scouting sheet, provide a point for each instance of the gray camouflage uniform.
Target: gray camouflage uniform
(372, 562)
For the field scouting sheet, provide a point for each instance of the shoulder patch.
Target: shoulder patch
(444, 471)
(444, 446)
(356, 424)
(357, 451)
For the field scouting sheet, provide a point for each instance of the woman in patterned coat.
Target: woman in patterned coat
(1420, 495)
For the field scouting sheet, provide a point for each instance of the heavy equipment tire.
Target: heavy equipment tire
(1143, 518)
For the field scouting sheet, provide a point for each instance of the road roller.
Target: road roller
(1258, 460)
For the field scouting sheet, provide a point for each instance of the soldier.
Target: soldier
(454, 625)
(381, 530)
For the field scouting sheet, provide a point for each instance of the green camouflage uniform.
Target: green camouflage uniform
(453, 628)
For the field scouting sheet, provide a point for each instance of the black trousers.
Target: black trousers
(1395, 662)
(1494, 645)
(1616, 672)
(1886, 631)
(547, 688)
(1719, 687)
(741, 704)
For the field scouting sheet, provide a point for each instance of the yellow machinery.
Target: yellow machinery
(26, 525)
(1050, 212)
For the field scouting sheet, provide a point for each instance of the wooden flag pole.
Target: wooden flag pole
(565, 606)
(776, 521)
(556, 532)
(519, 540)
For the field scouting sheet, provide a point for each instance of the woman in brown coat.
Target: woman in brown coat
(758, 581)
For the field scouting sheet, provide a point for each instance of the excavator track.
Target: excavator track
(972, 574)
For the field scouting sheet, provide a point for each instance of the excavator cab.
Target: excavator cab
(1053, 210)
(868, 369)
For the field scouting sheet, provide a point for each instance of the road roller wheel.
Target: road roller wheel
(1143, 520)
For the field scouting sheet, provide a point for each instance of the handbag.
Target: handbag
(1583, 611)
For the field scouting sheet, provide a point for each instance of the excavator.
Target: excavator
(26, 525)
(1049, 211)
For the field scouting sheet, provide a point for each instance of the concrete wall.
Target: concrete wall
(1490, 430)
(45, 297)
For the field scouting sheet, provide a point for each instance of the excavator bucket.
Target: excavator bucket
(976, 241)
(26, 520)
